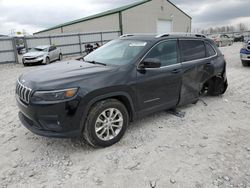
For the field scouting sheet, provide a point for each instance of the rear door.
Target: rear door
(52, 52)
(159, 88)
(193, 59)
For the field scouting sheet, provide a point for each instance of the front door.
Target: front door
(159, 88)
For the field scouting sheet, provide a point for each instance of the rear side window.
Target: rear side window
(209, 50)
(192, 50)
(166, 52)
(52, 48)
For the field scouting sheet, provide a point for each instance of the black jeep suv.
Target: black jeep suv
(121, 81)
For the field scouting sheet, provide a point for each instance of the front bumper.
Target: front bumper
(245, 55)
(62, 120)
(38, 60)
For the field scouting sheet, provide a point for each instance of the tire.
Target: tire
(96, 120)
(217, 86)
(60, 57)
(244, 63)
(47, 61)
(24, 64)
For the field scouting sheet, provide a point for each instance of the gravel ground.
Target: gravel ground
(209, 147)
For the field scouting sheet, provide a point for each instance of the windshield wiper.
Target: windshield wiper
(95, 62)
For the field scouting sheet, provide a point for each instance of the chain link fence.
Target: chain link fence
(8, 52)
(246, 34)
(70, 44)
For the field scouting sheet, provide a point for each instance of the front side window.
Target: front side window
(192, 50)
(117, 52)
(166, 52)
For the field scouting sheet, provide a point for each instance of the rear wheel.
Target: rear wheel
(217, 86)
(106, 123)
(244, 63)
(60, 57)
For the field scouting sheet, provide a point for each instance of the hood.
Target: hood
(33, 54)
(60, 74)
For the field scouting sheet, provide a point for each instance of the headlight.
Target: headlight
(53, 96)
(40, 56)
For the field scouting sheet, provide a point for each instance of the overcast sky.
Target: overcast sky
(34, 15)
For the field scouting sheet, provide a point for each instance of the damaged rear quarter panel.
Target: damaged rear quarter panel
(198, 72)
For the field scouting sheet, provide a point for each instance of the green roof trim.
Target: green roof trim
(106, 13)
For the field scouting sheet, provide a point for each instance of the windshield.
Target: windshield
(117, 52)
(38, 49)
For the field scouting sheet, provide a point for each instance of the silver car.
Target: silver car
(222, 40)
(42, 54)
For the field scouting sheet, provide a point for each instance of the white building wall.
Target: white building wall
(140, 19)
(105, 23)
(143, 18)
(50, 32)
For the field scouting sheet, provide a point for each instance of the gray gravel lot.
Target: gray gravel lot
(209, 147)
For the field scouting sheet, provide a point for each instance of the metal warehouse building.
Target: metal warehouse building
(148, 16)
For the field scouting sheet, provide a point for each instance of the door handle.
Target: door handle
(208, 63)
(175, 71)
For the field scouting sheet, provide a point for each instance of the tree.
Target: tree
(242, 27)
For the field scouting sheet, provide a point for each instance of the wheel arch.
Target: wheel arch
(123, 97)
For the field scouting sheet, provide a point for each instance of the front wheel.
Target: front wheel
(60, 57)
(106, 123)
(47, 61)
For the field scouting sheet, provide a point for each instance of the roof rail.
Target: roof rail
(126, 35)
(181, 34)
(136, 34)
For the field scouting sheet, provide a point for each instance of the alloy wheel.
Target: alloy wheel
(109, 124)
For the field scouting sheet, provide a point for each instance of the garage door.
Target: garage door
(164, 26)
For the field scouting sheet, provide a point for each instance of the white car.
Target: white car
(42, 54)
(222, 40)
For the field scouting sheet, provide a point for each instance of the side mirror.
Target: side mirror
(150, 63)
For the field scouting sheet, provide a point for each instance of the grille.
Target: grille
(23, 92)
(30, 58)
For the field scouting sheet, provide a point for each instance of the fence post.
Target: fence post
(25, 44)
(101, 38)
(80, 42)
(50, 40)
(14, 49)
